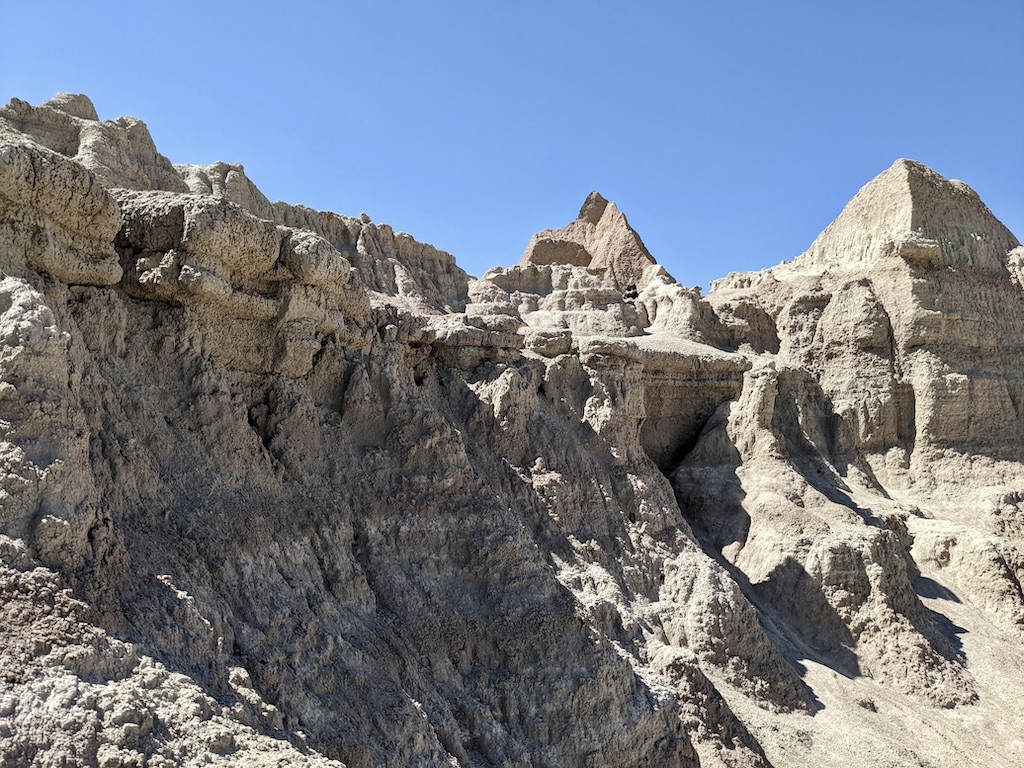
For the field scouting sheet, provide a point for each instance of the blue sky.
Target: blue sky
(730, 133)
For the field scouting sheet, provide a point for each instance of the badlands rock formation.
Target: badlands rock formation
(601, 239)
(285, 487)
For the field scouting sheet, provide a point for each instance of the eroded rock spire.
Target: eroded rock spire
(599, 238)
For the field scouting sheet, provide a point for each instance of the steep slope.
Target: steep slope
(286, 487)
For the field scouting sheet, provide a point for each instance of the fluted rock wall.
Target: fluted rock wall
(285, 486)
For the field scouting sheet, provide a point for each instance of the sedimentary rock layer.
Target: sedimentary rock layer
(281, 486)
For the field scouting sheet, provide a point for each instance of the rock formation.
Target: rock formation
(281, 486)
(600, 239)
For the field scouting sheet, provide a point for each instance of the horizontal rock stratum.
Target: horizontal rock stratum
(285, 487)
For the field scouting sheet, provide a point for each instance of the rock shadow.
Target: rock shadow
(797, 596)
(941, 631)
(932, 590)
(716, 526)
(943, 634)
(791, 605)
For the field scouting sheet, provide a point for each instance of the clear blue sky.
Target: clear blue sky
(730, 133)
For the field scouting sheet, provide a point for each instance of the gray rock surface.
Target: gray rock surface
(285, 487)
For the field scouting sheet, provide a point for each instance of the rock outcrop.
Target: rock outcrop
(600, 239)
(281, 486)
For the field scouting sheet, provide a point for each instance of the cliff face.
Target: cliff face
(281, 486)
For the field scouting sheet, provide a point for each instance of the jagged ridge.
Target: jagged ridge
(285, 485)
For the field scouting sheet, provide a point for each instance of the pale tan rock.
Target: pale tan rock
(119, 152)
(600, 238)
(74, 104)
(571, 298)
(227, 181)
(115, 705)
(286, 487)
(390, 263)
(783, 516)
(56, 219)
(910, 212)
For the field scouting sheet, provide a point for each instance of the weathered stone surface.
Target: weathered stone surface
(280, 486)
(577, 299)
(227, 181)
(57, 220)
(600, 239)
(910, 212)
(392, 264)
(119, 152)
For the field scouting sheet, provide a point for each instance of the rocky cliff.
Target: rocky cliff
(286, 487)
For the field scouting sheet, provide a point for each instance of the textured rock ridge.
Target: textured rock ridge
(912, 213)
(229, 182)
(283, 486)
(119, 152)
(600, 238)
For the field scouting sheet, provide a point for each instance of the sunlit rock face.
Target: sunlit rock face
(599, 238)
(283, 486)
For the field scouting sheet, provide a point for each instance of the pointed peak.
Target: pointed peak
(912, 166)
(899, 181)
(600, 238)
(593, 207)
(912, 212)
